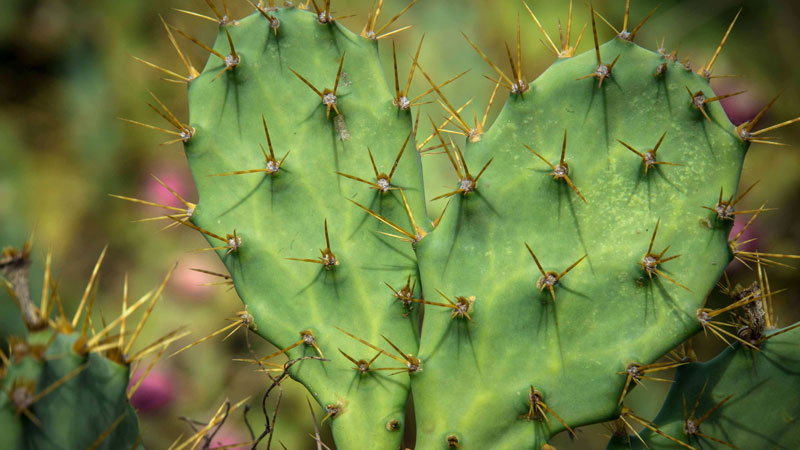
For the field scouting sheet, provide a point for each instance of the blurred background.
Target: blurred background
(67, 75)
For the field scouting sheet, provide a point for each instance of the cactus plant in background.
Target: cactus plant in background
(65, 382)
(577, 247)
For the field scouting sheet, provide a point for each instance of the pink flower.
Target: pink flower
(750, 234)
(155, 391)
(739, 108)
(155, 192)
(188, 284)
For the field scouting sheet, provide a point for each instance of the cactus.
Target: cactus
(577, 251)
(65, 384)
(738, 398)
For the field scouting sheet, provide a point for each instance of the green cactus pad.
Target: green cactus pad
(280, 216)
(77, 413)
(607, 312)
(757, 414)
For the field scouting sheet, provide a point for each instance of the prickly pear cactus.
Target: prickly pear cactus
(579, 247)
(313, 259)
(737, 399)
(64, 388)
(530, 316)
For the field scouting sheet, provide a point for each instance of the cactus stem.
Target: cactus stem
(649, 160)
(328, 259)
(538, 409)
(550, 279)
(626, 412)
(560, 171)
(705, 71)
